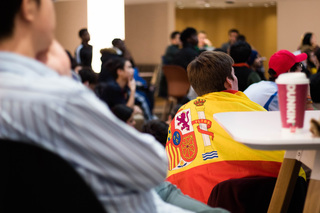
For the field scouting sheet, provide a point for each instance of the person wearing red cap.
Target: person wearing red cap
(265, 93)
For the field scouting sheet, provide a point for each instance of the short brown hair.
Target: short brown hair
(208, 72)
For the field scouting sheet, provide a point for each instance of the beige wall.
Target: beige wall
(148, 26)
(258, 24)
(147, 30)
(71, 17)
(295, 17)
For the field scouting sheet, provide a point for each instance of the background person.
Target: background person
(173, 48)
(265, 93)
(232, 38)
(189, 39)
(240, 53)
(315, 83)
(83, 53)
(203, 42)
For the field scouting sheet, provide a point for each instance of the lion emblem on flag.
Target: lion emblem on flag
(181, 145)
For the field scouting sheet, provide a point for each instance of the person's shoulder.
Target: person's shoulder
(111, 84)
(261, 85)
(191, 51)
(225, 44)
(315, 77)
(254, 76)
(79, 46)
(172, 46)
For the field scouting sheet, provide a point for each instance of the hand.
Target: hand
(132, 85)
(207, 42)
(137, 110)
(56, 58)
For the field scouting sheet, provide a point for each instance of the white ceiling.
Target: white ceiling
(210, 3)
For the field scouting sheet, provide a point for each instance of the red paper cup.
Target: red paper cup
(292, 93)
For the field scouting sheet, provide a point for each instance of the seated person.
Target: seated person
(315, 82)
(88, 77)
(106, 55)
(144, 94)
(265, 93)
(256, 64)
(240, 53)
(167, 191)
(173, 48)
(117, 50)
(189, 50)
(121, 89)
(232, 38)
(203, 42)
(201, 153)
(157, 128)
(124, 113)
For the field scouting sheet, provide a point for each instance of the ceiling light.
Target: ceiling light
(250, 4)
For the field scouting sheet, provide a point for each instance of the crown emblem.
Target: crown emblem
(199, 102)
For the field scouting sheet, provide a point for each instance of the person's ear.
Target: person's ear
(228, 83)
(29, 9)
(119, 71)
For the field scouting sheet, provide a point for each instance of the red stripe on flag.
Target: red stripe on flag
(198, 182)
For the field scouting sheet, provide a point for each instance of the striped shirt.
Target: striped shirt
(120, 164)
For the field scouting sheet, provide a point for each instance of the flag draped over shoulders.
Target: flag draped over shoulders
(201, 153)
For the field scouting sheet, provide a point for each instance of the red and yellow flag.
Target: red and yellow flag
(202, 154)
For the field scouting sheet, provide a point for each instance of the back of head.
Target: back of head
(241, 37)
(157, 128)
(116, 42)
(173, 34)
(113, 64)
(233, 30)
(282, 61)
(253, 56)
(307, 39)
(8, 13)
(82, 32)
(187, 34)
(122, 111)
(88, 75)
(240, 51)
(208, 72)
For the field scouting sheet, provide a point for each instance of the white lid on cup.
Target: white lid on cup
(292, 78)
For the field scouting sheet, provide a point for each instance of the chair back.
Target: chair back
(177, 80)
(36, 180)
(253, 194)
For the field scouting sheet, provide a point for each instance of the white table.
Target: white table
(262, 130)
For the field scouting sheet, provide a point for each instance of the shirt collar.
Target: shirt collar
(241, 65)
(119, 52)
(22, 65)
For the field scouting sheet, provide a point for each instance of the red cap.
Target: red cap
(283, 60)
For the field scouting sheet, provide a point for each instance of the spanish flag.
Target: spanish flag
(201, 153)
